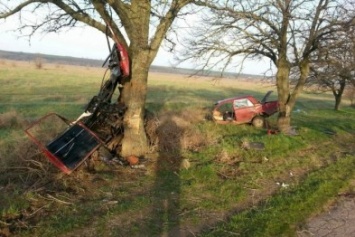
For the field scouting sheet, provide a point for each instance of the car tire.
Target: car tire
(258, 122)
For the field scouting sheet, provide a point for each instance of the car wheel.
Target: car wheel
(258, 122)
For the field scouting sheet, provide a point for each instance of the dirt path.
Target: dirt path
(339, 221)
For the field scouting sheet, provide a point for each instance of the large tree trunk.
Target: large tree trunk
(337, 102)
(338, 94)
(283, 89)
(282, 77)
(133, 96)
(287, 100)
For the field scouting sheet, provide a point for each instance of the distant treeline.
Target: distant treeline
(66, 60)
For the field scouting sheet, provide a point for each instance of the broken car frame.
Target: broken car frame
(93, 129)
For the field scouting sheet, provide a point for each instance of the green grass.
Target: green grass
(224, 182)
(282, 213)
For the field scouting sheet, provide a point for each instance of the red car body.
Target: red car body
(244, 109)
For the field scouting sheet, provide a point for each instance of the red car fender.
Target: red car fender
(124, 60)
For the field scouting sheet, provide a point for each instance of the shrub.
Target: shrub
(39, 62)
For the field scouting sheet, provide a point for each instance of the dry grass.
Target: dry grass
(21, 160)
(12, 119)
(27, 177)
(173, 131)
(17, 152)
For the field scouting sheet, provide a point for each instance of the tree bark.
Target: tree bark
(337, 102)
(287, 100)
(283, 88)
(133, 95)
(338, 94)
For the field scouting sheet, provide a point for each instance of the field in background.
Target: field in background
(198, 179)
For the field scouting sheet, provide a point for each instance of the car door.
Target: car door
(270, 108)
(244, 110)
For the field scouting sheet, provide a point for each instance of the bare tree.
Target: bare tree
(333, 66)
(140, 25)
(286, 32)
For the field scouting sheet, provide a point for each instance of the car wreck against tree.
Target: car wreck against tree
(244, 109)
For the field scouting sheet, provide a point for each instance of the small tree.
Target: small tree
(39, 62)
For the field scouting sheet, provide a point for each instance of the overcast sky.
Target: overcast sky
(83, 42)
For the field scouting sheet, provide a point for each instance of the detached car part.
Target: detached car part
(71, 143)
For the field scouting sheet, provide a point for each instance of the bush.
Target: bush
(39, 62)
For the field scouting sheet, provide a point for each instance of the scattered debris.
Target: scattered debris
(283, 185)
(118, 161)
(109, 202)
(253, 145)
(132, 160)
(291, 132)
(299, 111)
(272, 131)
(138, 166)
(50, 197)
(185, 164)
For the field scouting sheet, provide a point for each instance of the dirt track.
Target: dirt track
(339, 221)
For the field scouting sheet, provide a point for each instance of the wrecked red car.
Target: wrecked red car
(244, 109)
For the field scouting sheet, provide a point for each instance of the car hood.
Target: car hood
(266, 97)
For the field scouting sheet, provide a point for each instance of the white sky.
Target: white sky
(83, 42)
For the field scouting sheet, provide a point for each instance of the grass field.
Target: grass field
(226, 191)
